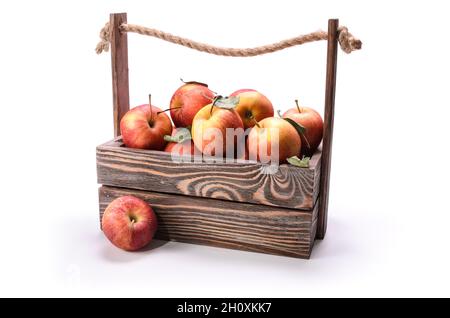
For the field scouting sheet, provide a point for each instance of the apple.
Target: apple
(313, 124)
(262, 141)
(209, 130)
(185, 147)
(144, 127)
(129, 223)
(252, 107)
(187, 101)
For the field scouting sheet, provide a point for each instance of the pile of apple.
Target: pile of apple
(195, 111)
(129, 222)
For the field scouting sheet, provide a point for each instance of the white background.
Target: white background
(389, 213)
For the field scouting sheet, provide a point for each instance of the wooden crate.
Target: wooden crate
(235, 204)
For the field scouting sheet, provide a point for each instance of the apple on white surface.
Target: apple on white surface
(129, 223)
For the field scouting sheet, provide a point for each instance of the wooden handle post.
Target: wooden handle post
(119, 66)
(330, 91)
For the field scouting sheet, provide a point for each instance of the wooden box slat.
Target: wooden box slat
(240, 181)
(222, 223)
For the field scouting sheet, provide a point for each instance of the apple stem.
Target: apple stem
(298, 107)
(165, 110)
(151, 107)
(256, 122)
(214, 101)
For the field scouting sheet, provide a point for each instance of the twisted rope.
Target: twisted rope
(346, 40)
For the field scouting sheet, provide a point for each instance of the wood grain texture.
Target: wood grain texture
(330, 92)
(119, 67)
(220, 223)
(241, 181)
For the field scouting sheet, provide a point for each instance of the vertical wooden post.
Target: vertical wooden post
(119, 66)
(330, 91)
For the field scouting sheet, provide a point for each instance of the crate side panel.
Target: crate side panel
(249, 227)
(290, 186)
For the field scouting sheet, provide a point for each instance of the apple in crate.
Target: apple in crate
(187, 101)
(129, 223)
(273, 140)
(180, 142)
(252, 107)
(210, 125)
(144, 127)
(312, 123)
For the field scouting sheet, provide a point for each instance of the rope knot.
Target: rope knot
(105, 37)
(347, 41)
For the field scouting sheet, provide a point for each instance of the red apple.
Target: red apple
(180, 148)
(144, 127)
(313, 123)
(263, 144)
(129, 223)
(187, 101)
(252, 107)
(209, 130)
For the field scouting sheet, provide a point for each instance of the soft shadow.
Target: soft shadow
(114, 254)
(336, 241)
(153, 245)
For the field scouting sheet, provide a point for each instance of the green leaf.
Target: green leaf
(180, 136)
(296, 161)
(226, 102)
(301, 130)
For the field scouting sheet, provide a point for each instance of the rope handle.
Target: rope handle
(346, 40)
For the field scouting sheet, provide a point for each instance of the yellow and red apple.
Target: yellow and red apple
(209, 130)
(144, 127)
(129, 223)
(313, 124)
(273, 137)
(187, 101)
(183, 147)
(252, 107)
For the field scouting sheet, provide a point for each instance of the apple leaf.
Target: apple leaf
(301, 130)
(226, 102)
(296, 161)
(180, 136)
